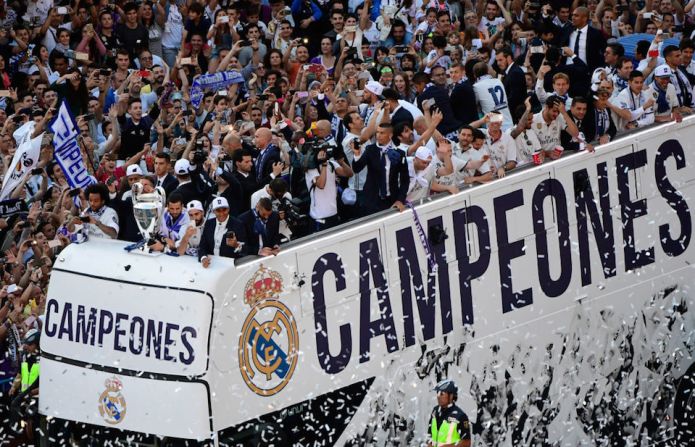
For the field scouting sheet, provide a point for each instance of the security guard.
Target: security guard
(449, 426)
(30, 364)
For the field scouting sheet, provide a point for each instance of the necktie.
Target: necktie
(159, 182)
(382, 184)
(576, 43)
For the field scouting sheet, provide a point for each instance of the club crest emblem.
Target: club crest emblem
(112, 406)
(269, 340)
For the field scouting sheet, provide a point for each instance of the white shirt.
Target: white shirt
(323, 201)
(672, 99)
(420, 181)
(194, 241)
(355, 182)
(106, 216)
(491, 97)
(526, 144)
(471, 154)
(627, 100)
(167, 232)
(220, 231)
(455, 177)
(582, 44)
(173, 28)
(548, 134)
(500, 151)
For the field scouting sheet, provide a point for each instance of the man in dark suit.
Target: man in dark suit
(387, 172)
(514, 79)
(268, 158)
(162, 164)
(585, 41)
(243, 173)
(577, 71)
(463, 92)
(578, 114)
(222, 236)
(262, 227)
(194, 184)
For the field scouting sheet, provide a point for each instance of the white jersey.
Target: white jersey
(472, 154)
(627, 100)
(106, 216)
(491, 97)
(501, 150)
(548, 134)
(420, 181)
(526, 144)
(456, 177)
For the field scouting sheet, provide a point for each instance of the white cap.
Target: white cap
(219, 202)
(423, 153)
(194, 205)
(374, 87)
(133, 170)
(182, 167)
(662, 71)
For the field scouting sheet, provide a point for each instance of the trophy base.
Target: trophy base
(142, 248)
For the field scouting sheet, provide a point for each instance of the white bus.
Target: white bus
(558, 299)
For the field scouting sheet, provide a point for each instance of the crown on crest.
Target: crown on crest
(264, 284)
(113, 384)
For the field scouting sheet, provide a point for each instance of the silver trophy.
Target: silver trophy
(148, 209)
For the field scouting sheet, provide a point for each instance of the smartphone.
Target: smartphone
(401, 49)
(537, 49)
(187, 113)
(79, 56)
(125, 90)
(62, 10)
(12, 288)
(350, 29)
(24, 225)
(144, 73)
(224, 19)
(111, 180)
(230, 235)
(186, 61)
(277, 108)
(74, 192)
(647, 15)
(105, 72)
(244, 43)
(37, 171)
(302, 95)
(18, 119)
(222, 93)
(263, 97)
(84, 219)
(89, 117)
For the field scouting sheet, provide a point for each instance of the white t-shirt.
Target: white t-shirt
(194, 241)
(323, 201)
(548, 134)
(627, 100)
(490, 25)
(173, 28)
(106, 216)
(491, 97)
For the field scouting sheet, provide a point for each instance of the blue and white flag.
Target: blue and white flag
(215, 81)
(25, 159)
(67, 151)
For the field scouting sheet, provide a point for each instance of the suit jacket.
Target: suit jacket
(169, 184)
(515, 85)
(577, 71)
(589, 125)
(595, 46)
(207, 240)
(272, 231)
(189, 192)
(398, 181)
(264, 164)
(248, 185)
(566, 139)
(463, 94)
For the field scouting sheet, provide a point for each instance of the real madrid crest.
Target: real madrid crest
(112, 406)
(269, 339)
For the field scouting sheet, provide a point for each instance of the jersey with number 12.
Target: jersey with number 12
(492, 97)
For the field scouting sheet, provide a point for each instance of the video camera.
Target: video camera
(311, 149)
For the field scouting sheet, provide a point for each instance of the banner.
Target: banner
(11, 207)
(216, 81)
(25, 159)
(67, 151)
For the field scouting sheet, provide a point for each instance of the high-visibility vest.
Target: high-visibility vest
(447, 433)
(29, 376)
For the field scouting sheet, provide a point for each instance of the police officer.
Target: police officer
(449, 426)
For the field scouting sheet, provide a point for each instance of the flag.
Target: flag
(25, 159)
(67, 153)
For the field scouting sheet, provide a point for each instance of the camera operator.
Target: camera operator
(281, 199)
(321, 174)
(261, 225)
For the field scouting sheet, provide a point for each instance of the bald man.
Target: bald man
(268, 162)
(583, 40)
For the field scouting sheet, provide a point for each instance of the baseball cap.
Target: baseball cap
(662, 71)
(194, 205)
(219, 202)
(423, 153)
(374, 87)
(496, 117)
(182, 167)
(133, 170)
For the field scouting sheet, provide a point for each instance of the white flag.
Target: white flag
(25, 159)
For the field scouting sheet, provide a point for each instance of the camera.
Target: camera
(310, 153)
(293, 215)
(199, 156)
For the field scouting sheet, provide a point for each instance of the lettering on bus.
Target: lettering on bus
(472, 223)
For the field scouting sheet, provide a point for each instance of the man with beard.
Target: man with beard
(189, 235)
(174, 220)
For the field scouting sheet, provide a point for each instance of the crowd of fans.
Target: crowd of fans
(323, 112)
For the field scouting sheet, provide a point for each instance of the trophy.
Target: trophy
(148, 208)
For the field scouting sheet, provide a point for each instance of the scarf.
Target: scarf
(662, 105)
